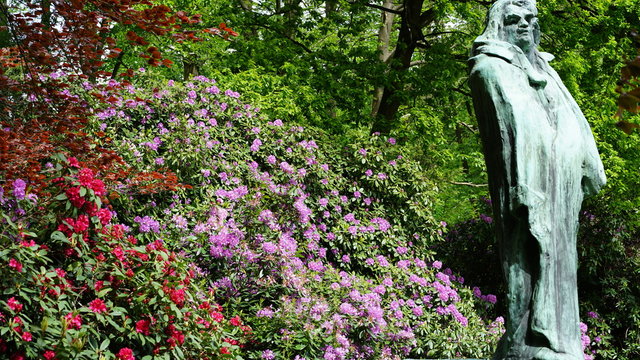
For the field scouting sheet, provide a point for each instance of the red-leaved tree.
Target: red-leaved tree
(49, 49)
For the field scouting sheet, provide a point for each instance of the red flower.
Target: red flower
(91, 208)
(73, 162)
(15, 264)
(104, 215)
(66, 226)
(73, 194)
(26, 336)
(142, 326)
(97, 306)
(216, 316)
(81, 225)
(177, 296)
(14, 304)
(28, 243)
(99, 285)
(177, 337)
(230, 341)
(98, 187)
(85, 177)
(49, 355)
(224, 350)
(125, 354)
(235, 321)
(73, 322)
(118, 253)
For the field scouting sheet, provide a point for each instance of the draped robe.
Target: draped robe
(541, 160)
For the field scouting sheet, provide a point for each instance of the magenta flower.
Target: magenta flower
(97, 306)
(14, 304)
(125, 354)
(73, 322)
(15, 264)
(26, 336)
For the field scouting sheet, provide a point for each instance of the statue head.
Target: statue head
(513, 21)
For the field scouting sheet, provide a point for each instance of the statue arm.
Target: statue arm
(593, 178)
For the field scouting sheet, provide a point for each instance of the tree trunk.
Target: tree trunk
(191, 67)
(252, 32)
(46, 13)
(329, 8)
(384, 52)
(292, 12)
(412, 21)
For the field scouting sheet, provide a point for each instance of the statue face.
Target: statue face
(518, 28)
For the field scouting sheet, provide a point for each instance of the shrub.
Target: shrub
(76, 284)
(323, 249)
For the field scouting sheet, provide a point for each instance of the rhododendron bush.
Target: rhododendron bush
(324, 250)
(77, 284)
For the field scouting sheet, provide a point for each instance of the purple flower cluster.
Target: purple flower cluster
(291, 219)
(147, 224)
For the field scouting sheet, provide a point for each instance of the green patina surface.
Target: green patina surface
(541, 160)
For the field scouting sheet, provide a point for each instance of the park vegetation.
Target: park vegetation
(284, 179)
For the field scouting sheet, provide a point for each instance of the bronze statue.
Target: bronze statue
(541, 160)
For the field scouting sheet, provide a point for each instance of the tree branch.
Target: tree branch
(471, 128)
(458, 90)
(393, 11)
(446, 32)
(301, 45)
(418, 62)
(468, 184)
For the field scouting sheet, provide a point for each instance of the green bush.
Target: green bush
(76, 284)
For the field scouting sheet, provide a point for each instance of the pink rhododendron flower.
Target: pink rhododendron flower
(28, 243)
(104, 215)
(26, 336)
(142, 326)
(14, 304)
(81, 225)
(73, 162)
(98, 187)
(235, 321)
(73, 194)
(177, 296)
(97, 306)
(49, 355)
(73, 322)
(85, 176)
(15, 264)
(125, 354)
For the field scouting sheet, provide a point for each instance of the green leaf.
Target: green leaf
(105, 344)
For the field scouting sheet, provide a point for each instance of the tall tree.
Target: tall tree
(410, 36)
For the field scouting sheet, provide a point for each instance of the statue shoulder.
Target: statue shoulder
(487, 65)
